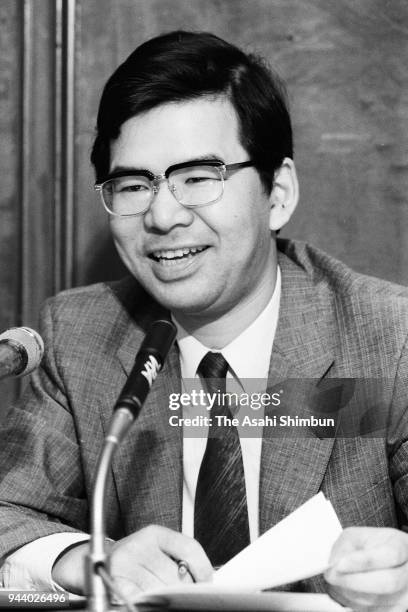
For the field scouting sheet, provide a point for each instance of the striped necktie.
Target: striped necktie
(220, 509)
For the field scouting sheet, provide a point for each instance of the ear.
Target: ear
(284, 195)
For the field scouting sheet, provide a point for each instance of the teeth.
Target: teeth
(177, 253)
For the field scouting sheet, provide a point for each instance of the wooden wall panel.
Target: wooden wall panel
(346, 64)
(37, 162)
(9, 160)
(9, 170)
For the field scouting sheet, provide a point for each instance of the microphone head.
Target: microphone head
(30, 341)
(159, 338)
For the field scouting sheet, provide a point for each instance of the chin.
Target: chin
(184, 306)
(182, 295)
(183, 303)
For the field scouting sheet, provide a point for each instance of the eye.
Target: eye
(130, 185)
(198, 179)
(199, 175)
(131, 188)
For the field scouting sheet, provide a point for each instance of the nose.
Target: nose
(165, 211)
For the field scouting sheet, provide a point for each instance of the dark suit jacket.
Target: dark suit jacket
(333, 324)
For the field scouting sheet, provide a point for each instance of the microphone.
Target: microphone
(148, 362)
(21, 351)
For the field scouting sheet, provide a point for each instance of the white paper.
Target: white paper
(296, 548)
(210, 597)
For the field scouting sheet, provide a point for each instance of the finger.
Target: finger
(351, 539)
(140, 579)
(181, 547)
(383, 556)
(184, 572)
(167, 570)
(164, 568)
(367, 602)
(352, 599)
(147, 566)
(377, 582)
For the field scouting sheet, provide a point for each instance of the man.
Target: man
(193, 159)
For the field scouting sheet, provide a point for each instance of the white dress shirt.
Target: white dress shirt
(248, 357)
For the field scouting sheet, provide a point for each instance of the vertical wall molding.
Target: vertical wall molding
(64, 119)
(47, 164)
(25, 159)
(57, 191)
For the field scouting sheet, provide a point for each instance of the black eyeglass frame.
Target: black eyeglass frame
(155, 179)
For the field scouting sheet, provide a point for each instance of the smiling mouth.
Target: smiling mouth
(171, 257)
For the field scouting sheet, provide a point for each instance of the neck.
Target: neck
(219, 331)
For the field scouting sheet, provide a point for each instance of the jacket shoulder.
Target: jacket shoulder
(102, 308)
(96, 297)
(366, 298)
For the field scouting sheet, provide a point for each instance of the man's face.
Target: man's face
(204, 261)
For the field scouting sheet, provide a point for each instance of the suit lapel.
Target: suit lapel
(294, 462)
(147, 468)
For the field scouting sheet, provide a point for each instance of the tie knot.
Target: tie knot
(213, 365)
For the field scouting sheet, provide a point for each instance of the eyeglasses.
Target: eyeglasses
(193, 183)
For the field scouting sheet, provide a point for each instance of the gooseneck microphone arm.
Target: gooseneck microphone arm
(149, 360)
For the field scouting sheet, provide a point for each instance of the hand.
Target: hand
(144, 560)
(148, 559)
(369, 569)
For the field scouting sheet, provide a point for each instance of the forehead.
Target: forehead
(178, 132)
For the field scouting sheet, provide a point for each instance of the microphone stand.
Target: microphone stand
(149, 360)
(98, 598)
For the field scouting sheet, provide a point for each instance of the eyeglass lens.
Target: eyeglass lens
(192, 186)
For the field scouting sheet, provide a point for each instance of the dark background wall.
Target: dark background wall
(346, 65)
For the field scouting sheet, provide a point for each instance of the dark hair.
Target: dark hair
(181, 66)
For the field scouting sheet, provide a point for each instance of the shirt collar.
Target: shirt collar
(248, 354)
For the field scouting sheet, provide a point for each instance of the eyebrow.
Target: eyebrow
(199, 158)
